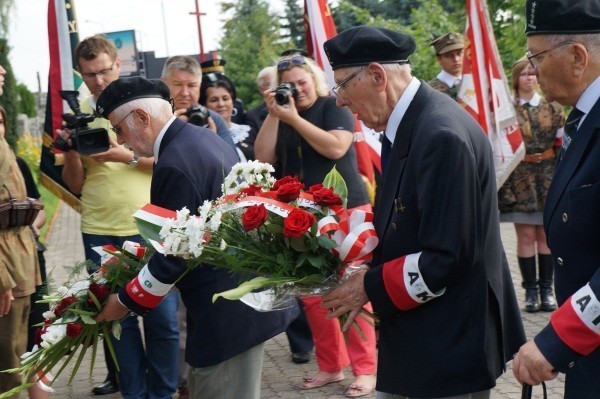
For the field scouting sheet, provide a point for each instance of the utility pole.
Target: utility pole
(198, 14)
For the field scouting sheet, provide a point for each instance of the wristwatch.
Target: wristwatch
(134, 161)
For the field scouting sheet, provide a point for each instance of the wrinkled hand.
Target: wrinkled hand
(113, 310)
(6, 299)
(531, 367)
(116, 153)
(349, 297)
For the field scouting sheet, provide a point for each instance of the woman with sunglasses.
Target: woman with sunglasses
(521, 198)
(306, 137)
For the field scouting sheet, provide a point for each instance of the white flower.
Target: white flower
(215, 221)
(79, 288)
(204, 210)
(62, 290)
(54, 333)
(223, 245)
(48, 315)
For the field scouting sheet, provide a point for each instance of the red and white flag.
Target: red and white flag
(484, 91)
(319, 28)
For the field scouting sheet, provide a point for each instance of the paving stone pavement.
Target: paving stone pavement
(281, 377)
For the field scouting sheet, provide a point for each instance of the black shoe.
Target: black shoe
(105, 388)
(301, 357)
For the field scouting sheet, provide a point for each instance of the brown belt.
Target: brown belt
(539, 156)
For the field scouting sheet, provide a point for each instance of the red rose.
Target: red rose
(297, 223)
(315, 187)
(289, 191)
(64, 304)
(254, 217)
(100, 291)
(251, 190)
(285, 180)
(37, 336)
(74, 329)
(326, 197)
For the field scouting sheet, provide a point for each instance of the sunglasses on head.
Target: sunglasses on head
(290, 62)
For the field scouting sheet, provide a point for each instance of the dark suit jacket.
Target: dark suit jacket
(190, 168)
(439, 200)
(572, 223)
(256, 116)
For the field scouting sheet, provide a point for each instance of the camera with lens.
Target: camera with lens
(84, 139)
(198, 115)
(284, 91)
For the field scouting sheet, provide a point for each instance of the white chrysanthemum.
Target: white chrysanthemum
(215, 221)
(204, 210)
(175, 244)
(166, 228)
(48, 315)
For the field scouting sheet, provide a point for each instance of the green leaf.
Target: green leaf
(87, 319)
(249, 286)
(148, 230)
(298, 244)
(316, 261)
(326, 242)
(335, 181)
(273, 228)
(117, 329)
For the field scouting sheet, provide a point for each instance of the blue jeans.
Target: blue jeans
(152, 373)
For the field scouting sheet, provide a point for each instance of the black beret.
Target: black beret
(214, 65)
(562, 17)
(362, 45)
(293, 51)
(124, 90)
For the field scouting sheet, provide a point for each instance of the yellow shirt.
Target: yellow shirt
(111, 192)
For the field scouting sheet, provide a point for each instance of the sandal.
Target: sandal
(355, 390)
(314, 382)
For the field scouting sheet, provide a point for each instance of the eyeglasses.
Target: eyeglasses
(92, 75)
(531, 57)
(115, 128)
(288, 63)
(336, 89)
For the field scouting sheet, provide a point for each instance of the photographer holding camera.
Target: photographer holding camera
(113, 184)
(183, 76)
(306, 135)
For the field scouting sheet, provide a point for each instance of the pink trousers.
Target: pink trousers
(332, 353)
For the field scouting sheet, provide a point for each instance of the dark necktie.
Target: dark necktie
(571, 126)
(386, 149)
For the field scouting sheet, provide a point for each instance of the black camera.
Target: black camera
(85, 140)
(284, 91)
(198, 115)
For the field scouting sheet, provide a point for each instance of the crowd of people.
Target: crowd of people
(438, 281)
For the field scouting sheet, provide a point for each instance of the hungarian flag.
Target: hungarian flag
(319, 28)
(63, 37)
(484, 91)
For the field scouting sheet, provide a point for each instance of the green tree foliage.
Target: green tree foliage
(294, 23)
(251, 41)
(27, 102)
(9, 99)
(6, 7)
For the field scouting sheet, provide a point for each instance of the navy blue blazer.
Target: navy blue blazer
(190, 168)
(440, 282)
(572, 223)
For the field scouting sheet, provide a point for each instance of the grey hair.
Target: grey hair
(591, 41)
(157, 108)
(181, 63)
(264, 73)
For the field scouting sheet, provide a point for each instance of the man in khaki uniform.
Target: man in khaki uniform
(449, 53)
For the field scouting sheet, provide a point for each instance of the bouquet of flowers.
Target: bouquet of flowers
(69, 328)
(277, 236)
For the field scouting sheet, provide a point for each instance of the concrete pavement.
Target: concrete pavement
(281, 377)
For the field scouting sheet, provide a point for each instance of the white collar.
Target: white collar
(160, 137)
(589, 97)
(449, 80)
(534, 101)
(400, 109)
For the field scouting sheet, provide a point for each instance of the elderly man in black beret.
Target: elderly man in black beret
(225, 343)
(439, 280)
(563, 38)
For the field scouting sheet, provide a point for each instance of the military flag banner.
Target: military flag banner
(484, 91)
(63, 37)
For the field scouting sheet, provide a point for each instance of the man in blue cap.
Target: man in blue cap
(563, 38)
(439, 279)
